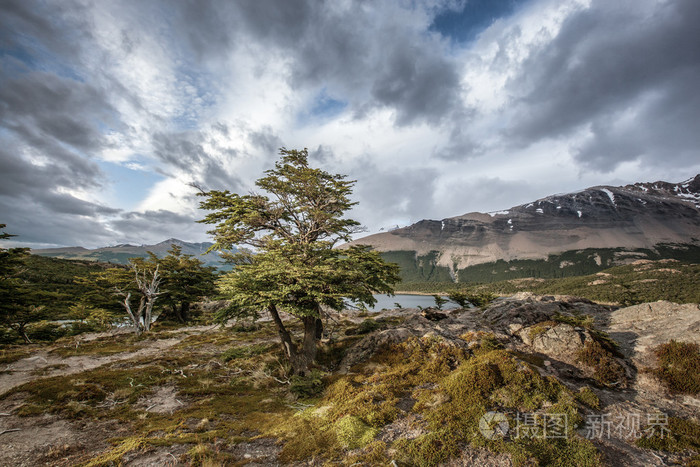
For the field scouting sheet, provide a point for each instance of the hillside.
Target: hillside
(641, 281)
(560, 235)
(120, 254)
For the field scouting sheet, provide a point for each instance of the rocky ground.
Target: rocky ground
(206, 396)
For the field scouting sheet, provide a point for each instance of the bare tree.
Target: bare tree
(147, 285)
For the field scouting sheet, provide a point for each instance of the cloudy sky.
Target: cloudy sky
(109, 109)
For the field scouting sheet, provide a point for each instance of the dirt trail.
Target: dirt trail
(44, 364)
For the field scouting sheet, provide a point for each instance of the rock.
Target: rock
(560, 340)
(363, 350)
(513, 314)
(433, 315)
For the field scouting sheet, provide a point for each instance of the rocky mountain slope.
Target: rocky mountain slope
(120, 254)
(633, 220)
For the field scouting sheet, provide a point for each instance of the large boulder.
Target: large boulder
(560, 341)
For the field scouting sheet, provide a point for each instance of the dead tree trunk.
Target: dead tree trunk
(148, 287)
(149, 291)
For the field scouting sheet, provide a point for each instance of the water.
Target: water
(408, 301)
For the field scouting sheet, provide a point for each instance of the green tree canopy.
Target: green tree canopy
(173, 283)
(16, 307)
(293, 227)
(185, 280)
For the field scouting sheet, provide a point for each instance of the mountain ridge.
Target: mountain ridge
(121, 253)
(640, 216)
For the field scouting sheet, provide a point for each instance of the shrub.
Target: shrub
(308, 385)
(367, 326)
(606, 370)
(676, 436)
(679, 366)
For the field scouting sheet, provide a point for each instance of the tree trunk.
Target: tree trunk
(134, 319)
(23, 333)
(289, 349)
(319, 329)
(184, 314)
(141, 315)
(300, 359)
(147, 316)
(308, 350)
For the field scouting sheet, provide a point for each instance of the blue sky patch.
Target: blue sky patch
(128, 186)
(325, 107)
(477, 15)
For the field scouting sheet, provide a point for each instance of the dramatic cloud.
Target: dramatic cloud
(109, 111)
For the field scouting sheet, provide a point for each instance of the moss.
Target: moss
(576, 320)
(540, 328)
(569, 452)
(305, 439)
(607, 372)
(671, 434)
(375, 453)
(114, 456)
(353, 433)
(111, 346)
(497, 380)
(368, 325)
(587, 397)
(679, 366)
(485, 340)
(430, 449)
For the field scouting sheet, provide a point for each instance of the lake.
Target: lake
(408, 301)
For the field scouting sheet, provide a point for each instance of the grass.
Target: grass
(679, 367)
(100, 347)
(11, 354)
(232, 388)
(246, 351)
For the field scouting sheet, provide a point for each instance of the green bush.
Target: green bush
(308, 385)
(679, 366)
(607, 371)
(367, 326)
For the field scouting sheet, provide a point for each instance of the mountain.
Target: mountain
(565, 234)
(121, 253)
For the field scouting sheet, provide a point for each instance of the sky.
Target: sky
(110, 110)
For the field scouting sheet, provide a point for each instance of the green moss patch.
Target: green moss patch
(671, 434)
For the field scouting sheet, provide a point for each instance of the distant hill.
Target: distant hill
(557, 236)
(120, 254)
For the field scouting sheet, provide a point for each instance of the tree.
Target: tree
(185, 280)
(140, 280)
(460, 298)
(293, 229)
(439, 301)
(15, 310)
